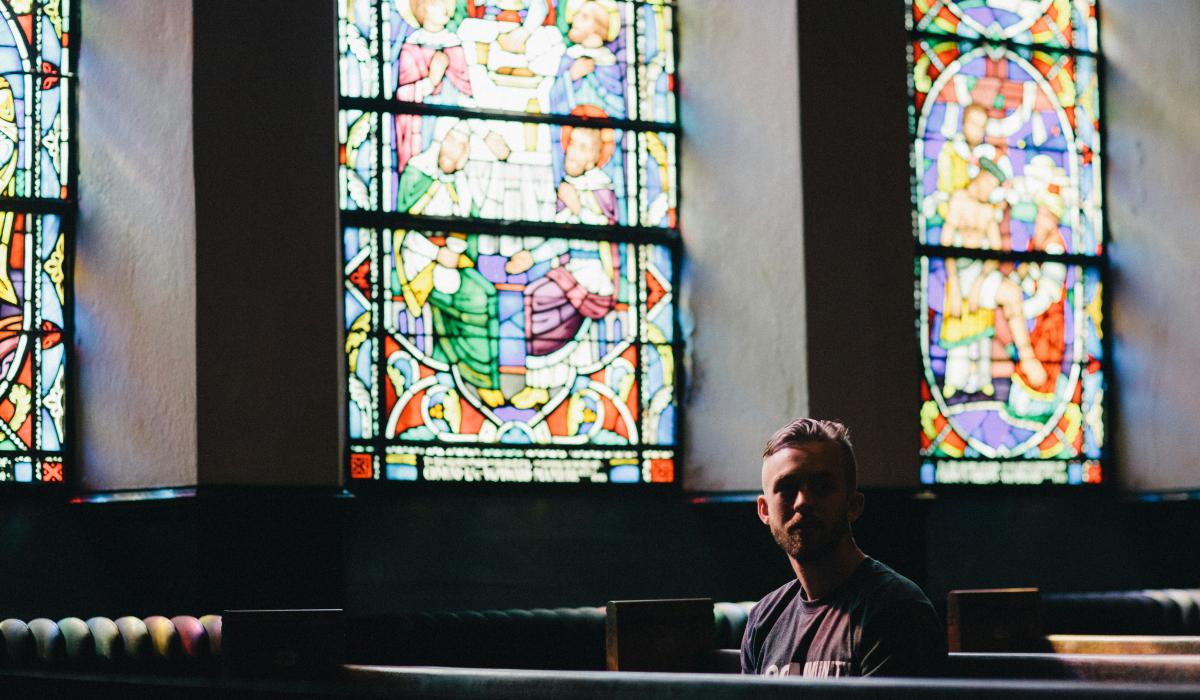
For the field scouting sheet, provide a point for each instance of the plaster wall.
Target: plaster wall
(135, 283)
(1152, 101)
(741, 216)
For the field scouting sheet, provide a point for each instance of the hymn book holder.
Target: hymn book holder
(659, 635)
(994, 620)
(283, 643)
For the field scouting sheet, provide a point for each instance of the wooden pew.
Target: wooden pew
(994, 620)
(1121, 644)
(480, 684)
(1128, 668)
(659, 635)
(1010, 620)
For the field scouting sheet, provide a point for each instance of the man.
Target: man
(844, 614)
(975, 288)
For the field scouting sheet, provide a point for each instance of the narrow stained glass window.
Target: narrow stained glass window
(38, 45)
(1010, 258)
(509, 194)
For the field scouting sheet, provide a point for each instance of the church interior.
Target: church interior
(213, 434)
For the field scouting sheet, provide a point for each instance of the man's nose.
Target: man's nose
(800, 500)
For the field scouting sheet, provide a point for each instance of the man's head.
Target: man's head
(432, 15)
(582, 151)
(975, 119)
(593, 22)
(810, 488)
(454, 151)
(990, 177)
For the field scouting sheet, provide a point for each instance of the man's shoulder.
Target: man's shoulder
(774, 601)
(883, 584)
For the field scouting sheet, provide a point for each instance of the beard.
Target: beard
(812, 543)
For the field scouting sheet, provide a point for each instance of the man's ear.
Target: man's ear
(857, 501)
(764, 514)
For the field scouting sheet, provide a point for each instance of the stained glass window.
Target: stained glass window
(509, 194)
(1010, 260)
(38, 45)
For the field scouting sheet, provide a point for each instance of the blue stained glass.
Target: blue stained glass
(401, 472)
(358, 48)
(656, 162)
(51, 305)
(625, 474)
(657, 68)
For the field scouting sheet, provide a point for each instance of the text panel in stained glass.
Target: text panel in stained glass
(1025, 124)
(36, 162)
(1063, 24)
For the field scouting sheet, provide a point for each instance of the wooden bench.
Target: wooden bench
(1130, 668)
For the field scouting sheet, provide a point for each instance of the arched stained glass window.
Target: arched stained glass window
(508, 194)
(37, 204)
(1006, 131)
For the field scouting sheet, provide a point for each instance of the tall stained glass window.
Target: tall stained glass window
(1006, 134)
(38, 44)
(508, 194)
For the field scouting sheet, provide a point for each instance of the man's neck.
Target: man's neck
(822, 576)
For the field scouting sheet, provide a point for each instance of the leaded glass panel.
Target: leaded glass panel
(1010, 262)
(37, 165)
(509, 199)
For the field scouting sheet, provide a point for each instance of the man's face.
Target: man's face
(974, 126)
(805, 500)
(454, 152)
(984, 185)
(589, 26)
(583, 151)
(432, 14)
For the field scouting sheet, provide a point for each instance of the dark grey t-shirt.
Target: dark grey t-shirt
(877, 623)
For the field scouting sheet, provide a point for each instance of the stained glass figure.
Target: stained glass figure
(37, 54)
(1012, 366)
(1031, 114)
(509, 170)
(1006, 187)
(532, 56)
(509, 340)
(537, 344)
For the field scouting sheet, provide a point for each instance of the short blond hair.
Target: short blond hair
(805, 431)
(417, 7)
